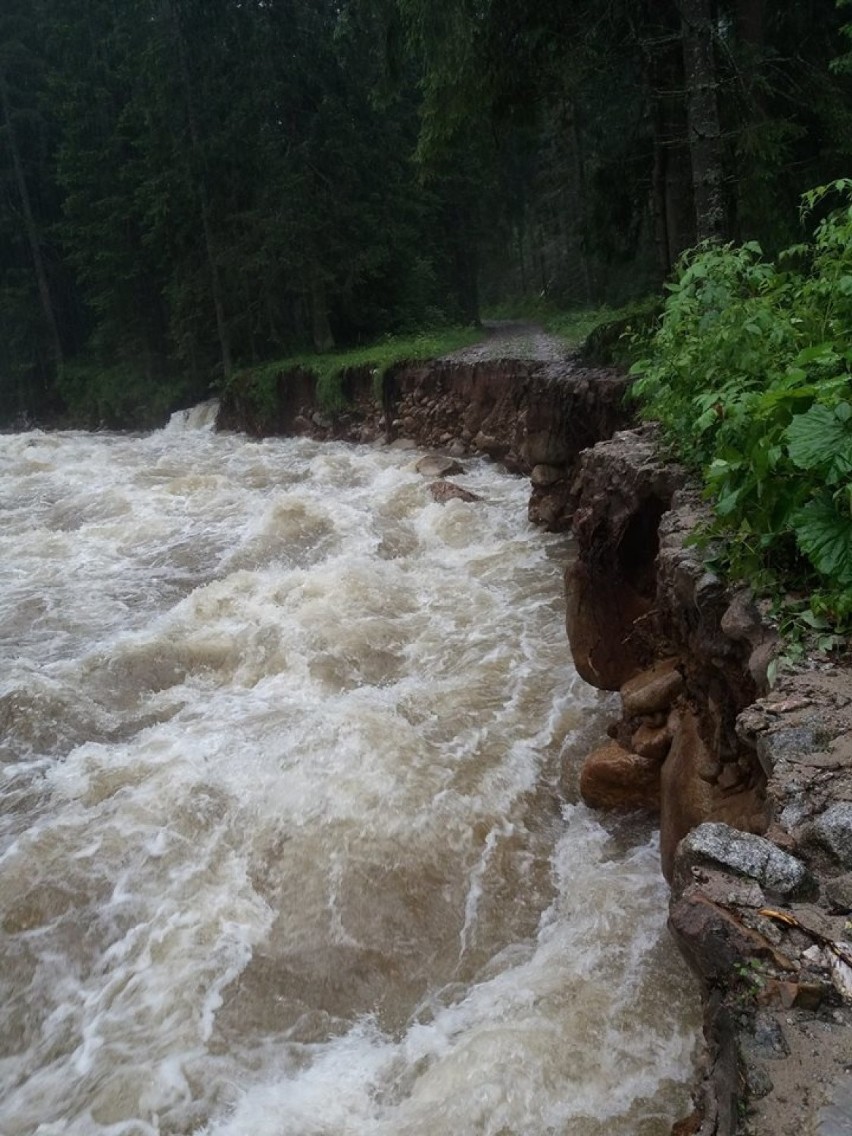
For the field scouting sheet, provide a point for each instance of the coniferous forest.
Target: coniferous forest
(188, 187)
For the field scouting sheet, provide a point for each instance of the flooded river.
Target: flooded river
(283, 850)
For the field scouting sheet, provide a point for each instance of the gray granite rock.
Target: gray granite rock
(839, 892)
(833, 829)
(435, 465)
(783, 744)
(747, 855)
(768, 1039)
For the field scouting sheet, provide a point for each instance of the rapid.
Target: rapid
(283, 844)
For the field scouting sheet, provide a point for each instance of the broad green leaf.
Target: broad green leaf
(796, 375)
(728, 502)
(718, 468)
(818, 622)
(820, 353)
(821, 440)
(825, 537)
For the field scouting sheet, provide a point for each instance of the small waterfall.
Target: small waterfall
(199, 417)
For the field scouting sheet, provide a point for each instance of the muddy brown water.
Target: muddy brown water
(283, 850)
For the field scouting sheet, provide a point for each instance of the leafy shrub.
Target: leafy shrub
(749, 373)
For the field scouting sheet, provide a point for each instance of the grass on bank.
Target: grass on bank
(260, 381)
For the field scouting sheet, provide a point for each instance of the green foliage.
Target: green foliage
(843, 63)
(749, 373)
(752, 975)
(119, 397)
(576, 326)
(807, 628)
(613, 336)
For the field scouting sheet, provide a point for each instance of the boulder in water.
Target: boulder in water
(434, 465)
(444, 491)
(614, 778)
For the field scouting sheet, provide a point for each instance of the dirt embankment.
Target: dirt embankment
(753, 787)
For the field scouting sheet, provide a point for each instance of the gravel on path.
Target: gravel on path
(511, 339)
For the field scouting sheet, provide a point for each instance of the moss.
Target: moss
(617, 335)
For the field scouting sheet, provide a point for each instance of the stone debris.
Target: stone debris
(444, 491)
(839, 893)
(841, 971)
(614, 778)
(745, 854)
(755, 791)
(652, 741)
(434, 465)
(833, 830)
(543, 476)
(652, 690)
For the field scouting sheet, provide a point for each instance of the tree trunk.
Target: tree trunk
(671, 202)
(30, 227)
(756, 116)
(658, 203)
(204, 201)
(320, 326)
(705, 134)
(466, 267)
(750, 21)
(579, 161)
(519, 250)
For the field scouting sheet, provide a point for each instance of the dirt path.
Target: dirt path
(513, 339)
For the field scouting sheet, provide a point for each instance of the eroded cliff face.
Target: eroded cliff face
(753, 788)
(646, 618)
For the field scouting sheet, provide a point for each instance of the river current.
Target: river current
(283, 848)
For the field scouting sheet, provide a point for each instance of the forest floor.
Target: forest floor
(514, 339)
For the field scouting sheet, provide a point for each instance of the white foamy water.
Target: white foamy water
(282, 846)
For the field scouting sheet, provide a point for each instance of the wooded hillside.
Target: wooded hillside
(187, 187)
